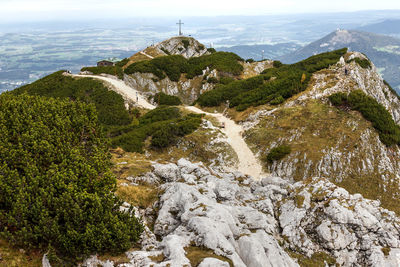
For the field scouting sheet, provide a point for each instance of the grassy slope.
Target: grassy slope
(311, 131)
(15, 257)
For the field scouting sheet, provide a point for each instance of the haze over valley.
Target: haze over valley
(29, 51)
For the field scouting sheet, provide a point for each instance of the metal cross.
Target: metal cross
(180, 27)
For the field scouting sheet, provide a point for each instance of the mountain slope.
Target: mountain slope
(384, 51)
(256, 51)
(327, 141)
(390, 27)
(183, 67)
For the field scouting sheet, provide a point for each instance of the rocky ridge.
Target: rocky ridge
(327, 141)
(181, 45)
(187, 89)
(260, 223)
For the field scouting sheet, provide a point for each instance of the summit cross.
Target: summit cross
(180, 23)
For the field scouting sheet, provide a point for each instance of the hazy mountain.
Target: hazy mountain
(391, 27)
(383, 50)
(256, 51)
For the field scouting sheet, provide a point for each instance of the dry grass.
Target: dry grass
(153, 51)
(142, 196)
(318, 259)
(319, 127)
(14, 257)
(117, 259)
(159, 258)
(129, 164)
(315, 128)
(136, 58)
(197, 254)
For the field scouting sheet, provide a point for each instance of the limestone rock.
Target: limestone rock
(255, 223)
(213, 262)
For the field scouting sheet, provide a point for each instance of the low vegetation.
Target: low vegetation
(381, 119)
(328, 128)
(166, 100)
(164, 125)
(391, 89)
(318, 259)
(111, 70)
(278, 153)
(56, 185)
(197, 254)
(109, 104)
(12, 256)
(364, 63)
(142, 196)
(273, 86)
(175, 65)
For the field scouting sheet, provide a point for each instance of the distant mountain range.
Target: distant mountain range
(384, 51)
(390, 27)
(259, 52)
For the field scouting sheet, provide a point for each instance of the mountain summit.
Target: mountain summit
(181, 45)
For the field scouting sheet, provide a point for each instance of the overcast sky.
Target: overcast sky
(26, 10)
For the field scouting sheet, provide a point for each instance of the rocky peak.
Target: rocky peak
(342, 37)
(181, 45)
(186, 46)
(333, 80)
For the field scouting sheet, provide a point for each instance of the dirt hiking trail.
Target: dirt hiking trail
(248, 163)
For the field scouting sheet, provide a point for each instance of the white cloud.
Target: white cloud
(63, 9)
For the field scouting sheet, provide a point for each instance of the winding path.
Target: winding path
(248, 163)
(122, 88)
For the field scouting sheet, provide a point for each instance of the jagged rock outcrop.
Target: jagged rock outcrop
(335, 80)
(329, 142)
(188, 90)
(266, 223)
(185, 46)
(319, 216)
(181, 45)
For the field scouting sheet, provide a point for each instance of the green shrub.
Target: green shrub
(338, 99)
(371, 110)
(166, 100)
(122, 62)
(185, 43)
(211, 50)
(165, 51)
(277, 100)
(278, 153)
(201, 47)
(160, 114)
(212, 80)
(109, 104)
(164, 125)
(111, 70)
(221, 61)
(364, 63)
(250, 60)
(226, 80)
(175, 65)
(171, 66)
(277, 64)
(391, 89)
(56, 184)
(288, 81)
